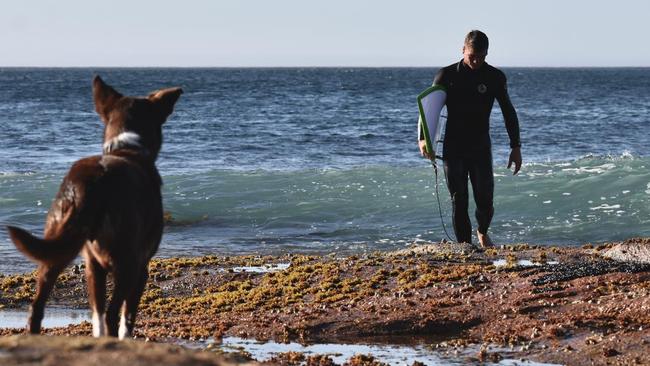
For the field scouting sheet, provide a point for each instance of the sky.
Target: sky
(248, 33)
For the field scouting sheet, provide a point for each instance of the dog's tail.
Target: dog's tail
(62, 248)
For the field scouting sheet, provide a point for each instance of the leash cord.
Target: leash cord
(442, 221)
(435, 171)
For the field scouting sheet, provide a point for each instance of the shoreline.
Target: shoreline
(545, 304)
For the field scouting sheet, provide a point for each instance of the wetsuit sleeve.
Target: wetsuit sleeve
(509, 113)
(439, 79)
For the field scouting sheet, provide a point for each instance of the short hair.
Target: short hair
(477, 40)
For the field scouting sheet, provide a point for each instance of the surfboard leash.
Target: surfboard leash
(435, 172)
(442, 221)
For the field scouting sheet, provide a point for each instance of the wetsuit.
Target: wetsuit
(467, 149)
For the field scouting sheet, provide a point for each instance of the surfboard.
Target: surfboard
(430, 103)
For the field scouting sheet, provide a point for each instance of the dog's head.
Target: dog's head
(132, 122)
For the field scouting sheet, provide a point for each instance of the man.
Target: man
(472, 86)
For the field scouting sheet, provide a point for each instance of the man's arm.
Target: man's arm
(512, 124)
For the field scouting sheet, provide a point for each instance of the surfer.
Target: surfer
(472, 86)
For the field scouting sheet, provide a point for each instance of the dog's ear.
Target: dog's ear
(165, 99)
(105, 97)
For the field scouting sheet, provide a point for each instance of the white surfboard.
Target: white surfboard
(430, 103)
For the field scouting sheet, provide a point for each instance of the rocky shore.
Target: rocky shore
(564, 305)
(86, 351)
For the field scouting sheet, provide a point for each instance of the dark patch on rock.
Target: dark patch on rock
(587, 267)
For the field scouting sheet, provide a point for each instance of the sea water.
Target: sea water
(322, 160)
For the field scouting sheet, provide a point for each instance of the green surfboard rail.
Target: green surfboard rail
(422, 119)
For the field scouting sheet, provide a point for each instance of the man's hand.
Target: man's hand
(515, 157)
(423, 149)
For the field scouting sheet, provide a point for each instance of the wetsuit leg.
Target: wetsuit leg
(482, 178)
(456, 170)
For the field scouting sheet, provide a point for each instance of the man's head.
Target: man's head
(475, 49)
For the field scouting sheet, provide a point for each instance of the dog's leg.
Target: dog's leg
(45, 283)
(123, 332)
(130, 309)
(120, 291)
(99, 324)
(96, 280)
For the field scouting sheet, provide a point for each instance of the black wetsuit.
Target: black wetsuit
(467, 149)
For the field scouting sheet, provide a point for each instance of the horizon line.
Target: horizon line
(299, 67)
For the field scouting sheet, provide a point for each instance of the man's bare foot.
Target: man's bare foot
(484, 240)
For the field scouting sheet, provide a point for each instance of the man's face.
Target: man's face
(472, 58)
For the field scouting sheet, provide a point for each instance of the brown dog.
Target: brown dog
(109, 207)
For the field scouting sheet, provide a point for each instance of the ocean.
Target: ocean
(325, 160)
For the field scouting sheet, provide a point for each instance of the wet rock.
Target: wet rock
(610, 352)
(633, 250)
(319, 360)
(444, 291)
(438, 249)
(289, 358)
(585, 267)
(485, 356)
(363, 360)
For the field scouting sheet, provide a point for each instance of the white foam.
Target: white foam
(520, 262)
(605, 207)
(262, 269)
(598, 169)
